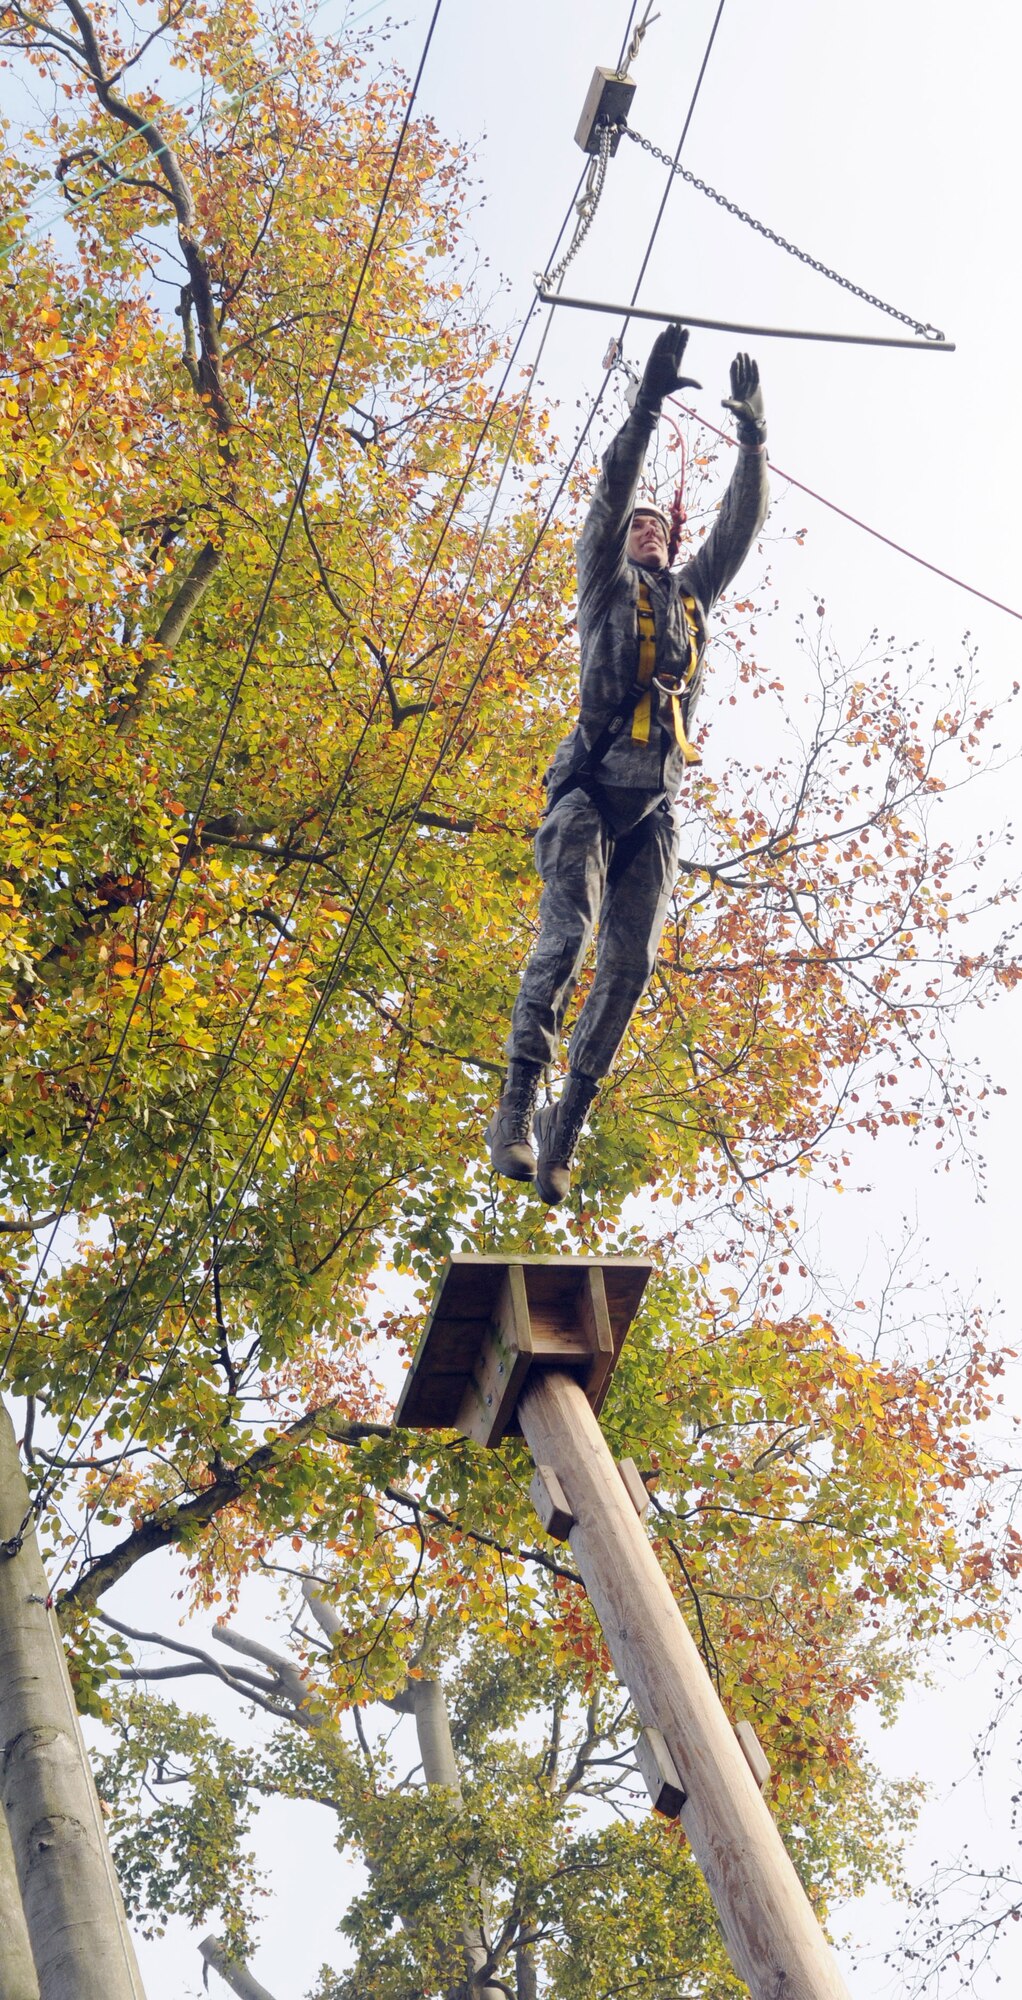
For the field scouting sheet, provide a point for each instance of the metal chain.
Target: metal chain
(925, 331)
(585, 208)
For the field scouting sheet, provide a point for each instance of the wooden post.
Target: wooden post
(775, 1942)
(529, 1345)
(76, 1923)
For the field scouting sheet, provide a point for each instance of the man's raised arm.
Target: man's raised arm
(604, 539)
(743, 508)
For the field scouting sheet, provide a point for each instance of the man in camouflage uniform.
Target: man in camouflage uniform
(607, 849)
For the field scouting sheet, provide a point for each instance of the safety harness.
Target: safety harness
(637, 702)
(673, 685)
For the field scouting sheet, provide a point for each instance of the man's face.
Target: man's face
(647, 541)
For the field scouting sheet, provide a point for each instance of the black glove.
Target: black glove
(661, 377)
(746, 400)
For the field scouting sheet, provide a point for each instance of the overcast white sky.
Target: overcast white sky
(883, 138)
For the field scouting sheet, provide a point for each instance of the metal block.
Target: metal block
(660, 1774)
(754, 1756)
(608, 101)
(634, 1485)
(548, 1497)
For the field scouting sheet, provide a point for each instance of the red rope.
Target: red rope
(678, 511)
(864, 525)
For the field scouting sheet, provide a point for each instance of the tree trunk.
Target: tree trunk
(440, 1768)
(238, 1977)
(433, 1729)
(525, 1972)
(17, 1972)
(72, 1904)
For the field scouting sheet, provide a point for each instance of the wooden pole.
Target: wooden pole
(775, 1941)
(69, 1892)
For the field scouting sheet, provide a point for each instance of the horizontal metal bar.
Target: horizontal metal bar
(738, 326)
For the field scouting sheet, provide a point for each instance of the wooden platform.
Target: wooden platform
(495, 1318)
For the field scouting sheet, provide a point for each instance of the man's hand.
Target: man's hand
(661, 377)
(746, 400)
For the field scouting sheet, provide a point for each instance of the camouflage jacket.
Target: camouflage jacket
(608, 587)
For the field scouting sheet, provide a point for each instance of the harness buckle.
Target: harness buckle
(669, 683)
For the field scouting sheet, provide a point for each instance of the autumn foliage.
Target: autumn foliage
(280, 677)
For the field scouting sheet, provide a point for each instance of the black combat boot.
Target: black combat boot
(509, 1132)
(557, 1132)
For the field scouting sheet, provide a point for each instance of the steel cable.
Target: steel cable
(235, 696)
(388, 820)
(261, 1137)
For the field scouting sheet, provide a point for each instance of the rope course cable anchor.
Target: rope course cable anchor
(928, 335)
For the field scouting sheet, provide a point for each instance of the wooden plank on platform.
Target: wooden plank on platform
(579, 1311)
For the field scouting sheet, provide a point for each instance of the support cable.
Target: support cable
(263, 1133)
(693, 101)
(356, 925)
(495, 401)
(353, 930)
(223, 1060)
(296, 499)
(899, 549)
(625, 53)
(260, 1139)
(45, 1489)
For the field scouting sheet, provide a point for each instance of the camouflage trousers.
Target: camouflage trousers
(590, 875)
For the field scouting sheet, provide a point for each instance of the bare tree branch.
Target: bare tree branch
(237, 1976)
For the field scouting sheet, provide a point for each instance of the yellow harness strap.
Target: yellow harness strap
(647, 663)
(690, 754)
(647, 668)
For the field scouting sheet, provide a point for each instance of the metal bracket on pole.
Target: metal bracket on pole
(549, 298)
